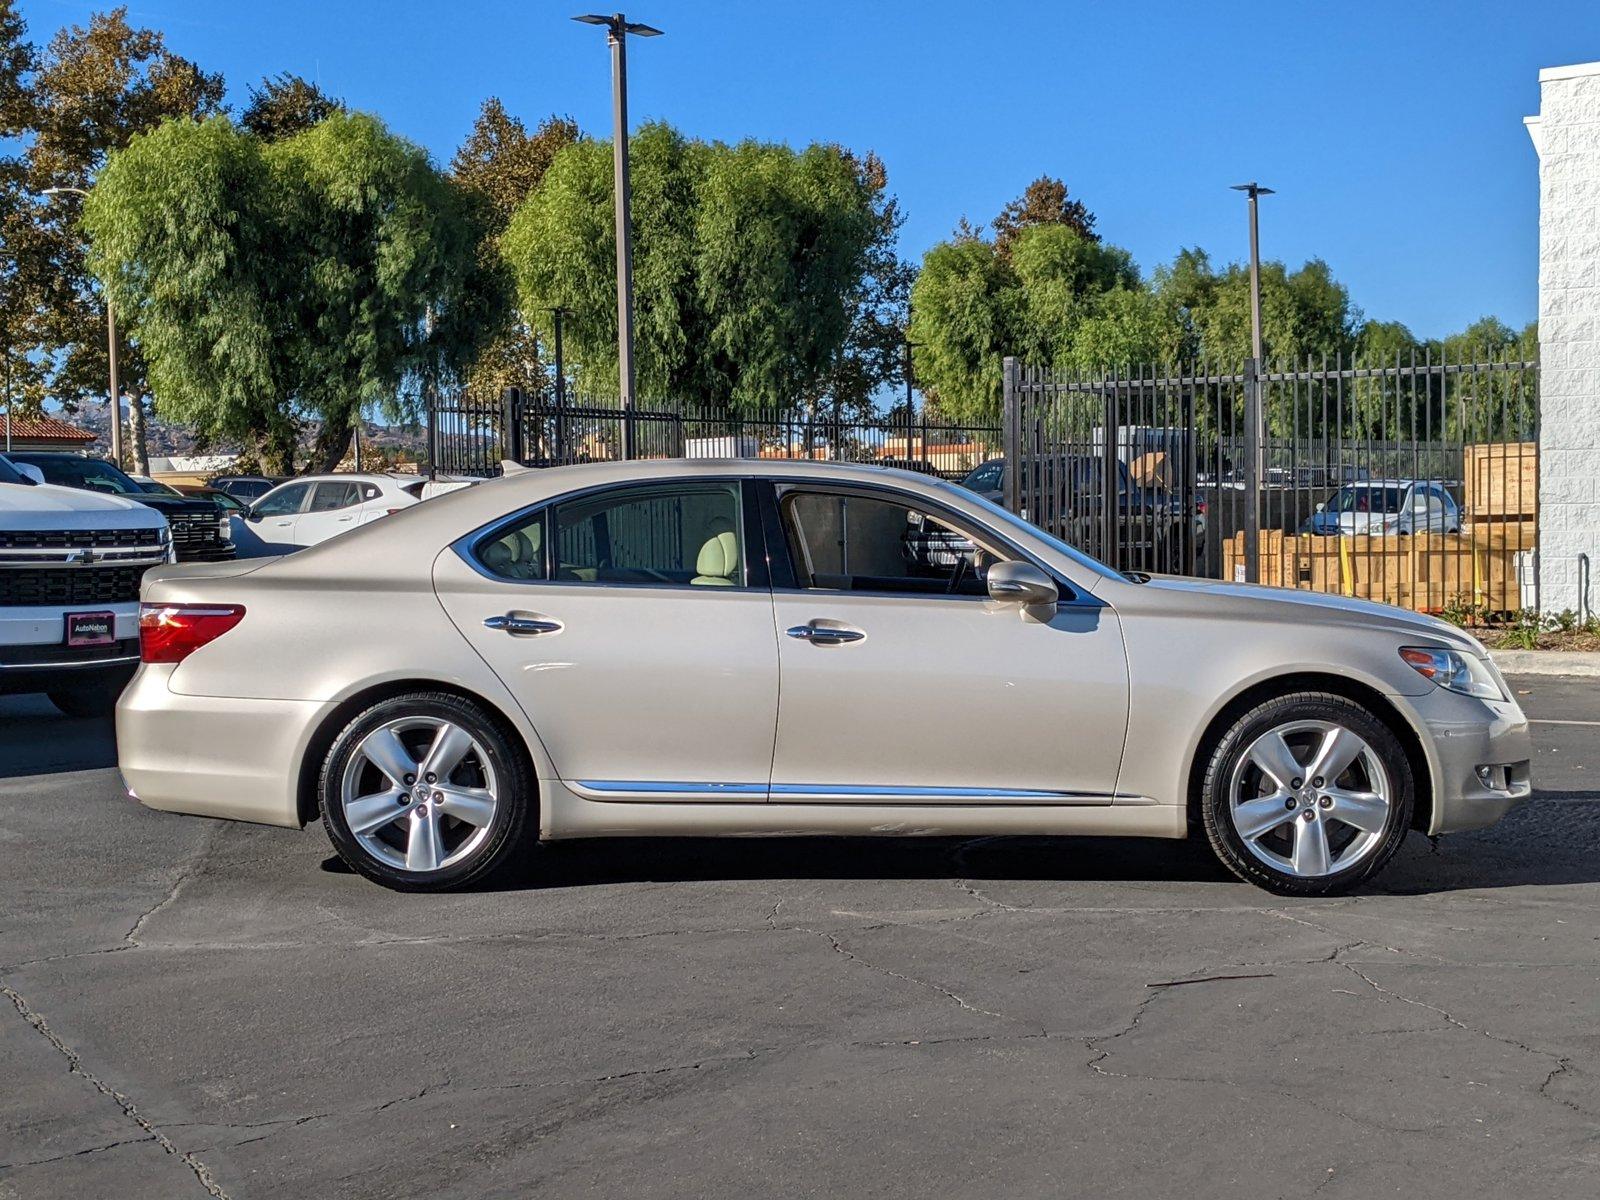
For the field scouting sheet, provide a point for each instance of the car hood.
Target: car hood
(1319, 608)
(45, 506)
(1350, 522)
(180, 505)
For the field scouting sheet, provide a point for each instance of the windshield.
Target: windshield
(1010, 520)
(91, 474)
(1369, 500)
(156, 488)
(9, 474)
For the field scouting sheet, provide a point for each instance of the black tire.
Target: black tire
(87, 700)
(1216, 801)
(512, 829)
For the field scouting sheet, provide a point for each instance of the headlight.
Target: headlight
(164, 534)
(1454, 671)
(224, 529)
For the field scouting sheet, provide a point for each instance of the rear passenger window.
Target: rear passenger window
(331, 496)
(688, 534)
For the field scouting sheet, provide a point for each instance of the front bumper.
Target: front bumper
(1464, 734)
(213, 756)
(34, 656)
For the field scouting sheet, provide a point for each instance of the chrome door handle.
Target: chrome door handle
(825, 635)
(521, 626)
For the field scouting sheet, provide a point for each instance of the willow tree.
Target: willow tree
(271, 285)
(749, 263)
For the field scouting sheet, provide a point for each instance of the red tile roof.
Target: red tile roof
(45, 429)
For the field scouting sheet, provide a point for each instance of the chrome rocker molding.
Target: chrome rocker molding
(828, 793)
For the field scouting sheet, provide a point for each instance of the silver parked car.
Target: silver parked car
(1385, 507)
(739, 647)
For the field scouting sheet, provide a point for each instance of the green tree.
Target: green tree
(501, 163)
(96, 87)
(1043, 202)
(285, 105)
(1057, 299)
(748, 263)
(24, 254)
(270, 284)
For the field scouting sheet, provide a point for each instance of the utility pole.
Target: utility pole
(111, 349)
(1255, 426)
(617, 30)
(559, 312)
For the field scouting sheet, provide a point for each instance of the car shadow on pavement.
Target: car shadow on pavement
(35, 739)
(1519, 852)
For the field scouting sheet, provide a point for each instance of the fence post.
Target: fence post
(511, 424)
(1011, 435)
(433, 431)
(1252, 470)
(1110, 492)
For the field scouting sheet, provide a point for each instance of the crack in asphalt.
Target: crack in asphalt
(839, 948)
(75, 1066)
(190, 870)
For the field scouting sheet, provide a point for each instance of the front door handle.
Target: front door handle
(825, 635)
(519, 625)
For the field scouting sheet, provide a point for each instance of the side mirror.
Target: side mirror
(30, 472)
(1021, 583)
(249, 513)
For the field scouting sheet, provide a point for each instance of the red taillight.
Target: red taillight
(169, 633)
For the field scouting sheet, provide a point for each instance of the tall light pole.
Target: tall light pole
(1255, 426)
(111, 351)
(617, 29)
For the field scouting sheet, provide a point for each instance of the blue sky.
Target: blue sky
(1392, 131)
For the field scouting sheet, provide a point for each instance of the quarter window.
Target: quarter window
(855, 543)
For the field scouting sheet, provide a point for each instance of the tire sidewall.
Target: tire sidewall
(1216, 798)
(511, 818)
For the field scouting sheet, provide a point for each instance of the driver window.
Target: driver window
(852, 543)
(284, 501)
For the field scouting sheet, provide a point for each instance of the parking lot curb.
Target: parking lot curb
(1547, 662)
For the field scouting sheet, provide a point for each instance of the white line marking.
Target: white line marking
(1553, 721)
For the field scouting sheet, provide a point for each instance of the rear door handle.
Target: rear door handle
(521, 625)
(825, 635)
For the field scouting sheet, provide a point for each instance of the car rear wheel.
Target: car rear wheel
(1307, 795)
(427, 792)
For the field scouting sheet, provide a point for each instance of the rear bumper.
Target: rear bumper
(213, 756)
(1466, 734)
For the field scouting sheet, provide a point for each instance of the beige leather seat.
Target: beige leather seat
(718, 564)
(516, 555)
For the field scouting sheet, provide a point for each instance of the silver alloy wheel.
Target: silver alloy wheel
(1310, 798)
(419, 793)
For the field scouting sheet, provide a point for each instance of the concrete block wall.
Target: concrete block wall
(1566, 134)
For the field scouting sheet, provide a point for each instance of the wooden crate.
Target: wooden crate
(1500, 481)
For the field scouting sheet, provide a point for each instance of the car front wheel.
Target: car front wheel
(1307, 794)
(427, 792)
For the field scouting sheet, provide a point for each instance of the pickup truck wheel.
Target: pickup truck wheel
(87, 700)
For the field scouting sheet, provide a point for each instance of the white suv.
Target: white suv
(70, 567)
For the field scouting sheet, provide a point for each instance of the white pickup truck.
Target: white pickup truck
(70, 566)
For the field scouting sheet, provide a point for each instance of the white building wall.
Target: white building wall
(1566, 134)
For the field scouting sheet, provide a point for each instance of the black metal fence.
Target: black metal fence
(1412, 482)
(472, 435)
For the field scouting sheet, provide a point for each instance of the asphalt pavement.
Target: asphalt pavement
(192, 1007)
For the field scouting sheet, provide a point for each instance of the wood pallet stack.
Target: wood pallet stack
(1428, 572)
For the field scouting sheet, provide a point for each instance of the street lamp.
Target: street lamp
(617, 29)
(1255, 426)
(111, 350)
(1254, 190)
(558, 312)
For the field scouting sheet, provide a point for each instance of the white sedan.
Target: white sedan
(314, 508)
